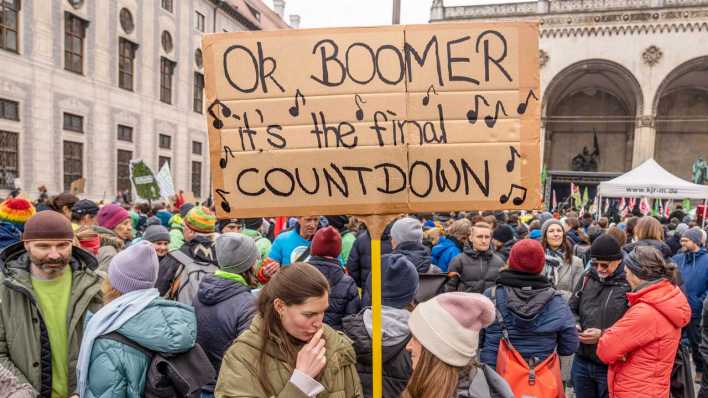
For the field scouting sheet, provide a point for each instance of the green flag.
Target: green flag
(586, 197)
(686, 205)
(544, 175)
(655, 212)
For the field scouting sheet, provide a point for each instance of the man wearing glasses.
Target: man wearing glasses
(598, 302)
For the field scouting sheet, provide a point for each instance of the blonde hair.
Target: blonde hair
(460, 229)
(109, 292)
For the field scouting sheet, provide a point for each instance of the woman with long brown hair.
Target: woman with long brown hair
(563, 269)
(649, 232)
(444, 349)
(288, 350)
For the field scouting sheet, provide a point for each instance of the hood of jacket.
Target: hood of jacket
(329, 267)
(526, 304)
(395, 332)
(164, 326)
(214, 290)
(9, 234)
(15, 258)
(665, 298)
(417, 253)
(444, 244)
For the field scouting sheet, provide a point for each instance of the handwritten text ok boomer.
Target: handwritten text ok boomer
(374, 120)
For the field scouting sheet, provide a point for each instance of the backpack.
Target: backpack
(172, 375)
(185, 285)
(527, 379)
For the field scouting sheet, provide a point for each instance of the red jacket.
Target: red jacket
(641, 347)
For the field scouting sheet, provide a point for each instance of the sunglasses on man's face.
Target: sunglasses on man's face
(601, 264)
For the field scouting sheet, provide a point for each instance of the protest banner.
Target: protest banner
(144, 182)
(164, 181)
(383, 120)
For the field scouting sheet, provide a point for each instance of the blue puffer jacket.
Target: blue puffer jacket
(9, 234)
(224, 310)
(343, 293)
(444, 252)
(117, 370)
(694, 274)
(539, 322)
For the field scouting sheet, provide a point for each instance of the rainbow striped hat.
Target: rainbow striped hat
(200, 219)
(16, 210)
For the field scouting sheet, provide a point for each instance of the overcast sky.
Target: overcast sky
(332, 13)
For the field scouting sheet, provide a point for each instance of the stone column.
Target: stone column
(644, 139)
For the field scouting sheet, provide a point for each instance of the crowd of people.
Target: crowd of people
(108, 300)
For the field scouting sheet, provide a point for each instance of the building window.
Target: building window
(166, 40)
(8, 159)
(73, 163)
(197, 179)
(73, 122)
(165, 141)
(125, 133)
(167, 5)
(9, 110)
(199, 21)
(126, 21)
(126, 61)
(162, 160)
(123, 170)
(196, 148)
(198, 58)
(198, 92)
(167, 69)
(74, 35)
(9, 10)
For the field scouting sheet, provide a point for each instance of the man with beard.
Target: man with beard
(46, 289)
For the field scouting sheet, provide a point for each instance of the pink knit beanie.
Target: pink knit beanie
(448, 325)
(111, 215)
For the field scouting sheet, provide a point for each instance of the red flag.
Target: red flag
(644, 207)
(281, 223)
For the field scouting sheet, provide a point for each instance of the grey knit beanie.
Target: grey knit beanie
(134, 268)
(695, 235)
(680, 229)
(236, 253)
(545, 216)
(407, 230)
(156, 233)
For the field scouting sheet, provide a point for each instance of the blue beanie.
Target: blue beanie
(399, 282)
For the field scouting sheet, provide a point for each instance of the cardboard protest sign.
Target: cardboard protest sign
(164, 181)
(436, 117)
(146, 186)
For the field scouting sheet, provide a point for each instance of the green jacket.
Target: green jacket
(24, 342)
(238, 376)
(262, 243)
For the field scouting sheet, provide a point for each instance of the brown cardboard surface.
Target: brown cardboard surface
(389, 106)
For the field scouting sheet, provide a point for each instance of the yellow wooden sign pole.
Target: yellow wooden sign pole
(376, 333)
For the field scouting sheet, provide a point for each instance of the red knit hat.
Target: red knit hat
(326, 243)
(527, 255)
(16, 210)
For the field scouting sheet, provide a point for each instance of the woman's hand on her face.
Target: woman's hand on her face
(311, 358)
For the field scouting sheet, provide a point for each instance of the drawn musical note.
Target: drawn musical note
(223, 162)
(295, 109)
(472, 115)
(517, 200)
(514, 155)
(218, 124)
(225, 206)
(521, 109)
(426, 99)
(359, 112)
(492, 120)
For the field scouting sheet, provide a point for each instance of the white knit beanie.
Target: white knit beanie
(448, 325)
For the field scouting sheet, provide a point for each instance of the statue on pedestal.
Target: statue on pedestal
(586, 161)
(699, 172)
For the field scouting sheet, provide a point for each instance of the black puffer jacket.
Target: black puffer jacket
(201, 249)
(417, 253)
(343, 295)
(224, 309)
(657, 244)
(598, 303)
(476, 271)
(397, 366)
(359, 261)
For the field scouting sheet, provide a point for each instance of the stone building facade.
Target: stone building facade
(634, 72)
(88, 85)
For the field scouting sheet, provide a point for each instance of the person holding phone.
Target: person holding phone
(599, 300)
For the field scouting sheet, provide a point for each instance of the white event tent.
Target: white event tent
(650, 180)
